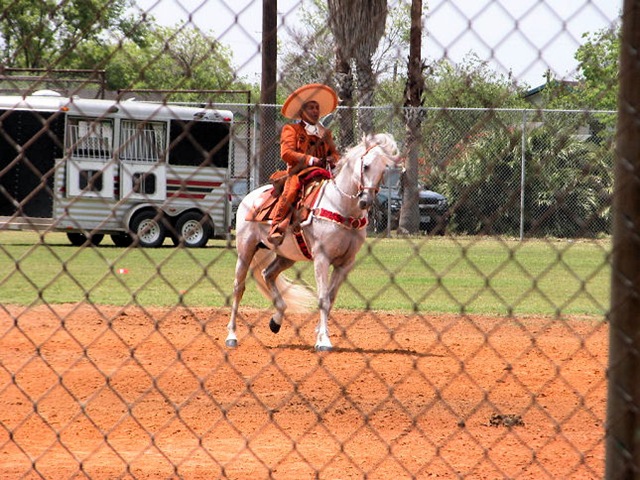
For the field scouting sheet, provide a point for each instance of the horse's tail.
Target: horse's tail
(299, 299)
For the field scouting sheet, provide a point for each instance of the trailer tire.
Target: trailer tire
(79, 239)
(193, 230)
(148, 229)
(121, 239)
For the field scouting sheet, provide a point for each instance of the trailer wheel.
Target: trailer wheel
(193, 230)
(121, 239)
(78, 239)
(148, 228)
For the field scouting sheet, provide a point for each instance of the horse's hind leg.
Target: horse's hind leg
(239, 285)
(270, 275)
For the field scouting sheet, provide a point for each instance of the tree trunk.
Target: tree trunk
(414, 89)
(623, 417)
(344, 78)
(267, 157)
(357, 27)
(367, 83)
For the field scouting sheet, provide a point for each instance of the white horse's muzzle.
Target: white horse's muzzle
(366, 199)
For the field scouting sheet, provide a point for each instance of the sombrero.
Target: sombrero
(324, 95)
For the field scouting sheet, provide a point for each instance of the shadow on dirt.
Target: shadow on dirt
(375, 351)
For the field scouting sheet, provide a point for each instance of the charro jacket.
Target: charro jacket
(297, 146)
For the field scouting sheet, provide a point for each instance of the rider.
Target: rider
(303, 144)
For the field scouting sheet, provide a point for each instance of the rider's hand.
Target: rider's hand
(331, 161)
(316, 162)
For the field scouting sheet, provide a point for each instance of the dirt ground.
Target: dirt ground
(103, 393)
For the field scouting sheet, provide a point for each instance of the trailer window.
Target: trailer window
(198, 144)
(144, 183)
(90, 180)
(90, 138)
(143, 141)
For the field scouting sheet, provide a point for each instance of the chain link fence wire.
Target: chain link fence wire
(471, 338)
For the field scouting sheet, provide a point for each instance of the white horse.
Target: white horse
(330, 237)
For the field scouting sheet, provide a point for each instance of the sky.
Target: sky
(523, 38)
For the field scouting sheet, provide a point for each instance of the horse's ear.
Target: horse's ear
(396, 155)
(370, 139)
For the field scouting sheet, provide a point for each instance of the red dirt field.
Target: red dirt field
(103, 393)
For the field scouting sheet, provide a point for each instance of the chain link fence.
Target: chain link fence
(471, 340)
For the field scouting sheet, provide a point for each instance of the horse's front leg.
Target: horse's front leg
(327, 293)
(321, 269)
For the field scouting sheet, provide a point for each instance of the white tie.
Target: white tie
(315, 130)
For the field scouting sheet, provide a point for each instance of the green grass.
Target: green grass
(474, 275)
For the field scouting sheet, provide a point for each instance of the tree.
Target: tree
(470, 84)
(413, 100)
(597, 85)
(179, 57)
(357, 27)
(268, 147)
(46, 33)
(309, 56)
(598, 62)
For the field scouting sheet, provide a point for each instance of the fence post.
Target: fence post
(254, 163)
(623, 402)
(522, 172)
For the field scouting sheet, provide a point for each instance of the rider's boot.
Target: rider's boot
(275, 235)
(279, 225)
(282, 211)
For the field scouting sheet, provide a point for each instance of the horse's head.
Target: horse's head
(380, 151)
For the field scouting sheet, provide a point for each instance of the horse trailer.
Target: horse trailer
(138, 171)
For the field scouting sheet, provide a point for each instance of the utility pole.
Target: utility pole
(268, 153)
(623, 403)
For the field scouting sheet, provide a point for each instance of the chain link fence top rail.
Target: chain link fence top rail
(471, 339)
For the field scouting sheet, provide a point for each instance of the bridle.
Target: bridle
(356, 223)
(361, 187)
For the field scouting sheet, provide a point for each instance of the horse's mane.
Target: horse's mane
(383, 140)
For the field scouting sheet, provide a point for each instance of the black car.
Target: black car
(434, 208)
(239, 189)
(434, 212)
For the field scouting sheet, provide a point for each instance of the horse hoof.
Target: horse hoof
(233, 343)
(275, 328)
(323, 348)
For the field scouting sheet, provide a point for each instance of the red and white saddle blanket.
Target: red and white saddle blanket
(311, 179)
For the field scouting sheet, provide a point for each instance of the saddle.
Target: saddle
(310, 179)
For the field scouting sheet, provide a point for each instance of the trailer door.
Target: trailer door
(142, 154)
(90, 166)
(29, 144)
